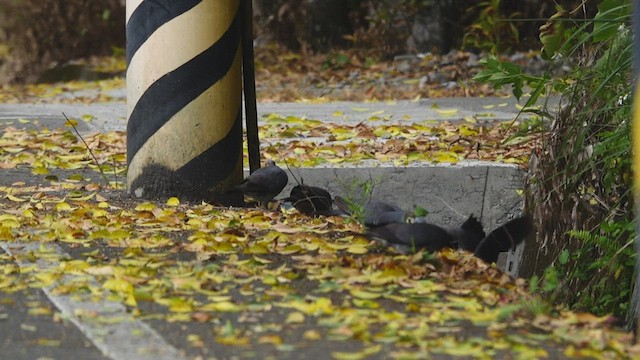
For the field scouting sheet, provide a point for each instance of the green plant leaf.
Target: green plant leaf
(611, 14)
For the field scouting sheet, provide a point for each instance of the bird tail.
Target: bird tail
(504, 238)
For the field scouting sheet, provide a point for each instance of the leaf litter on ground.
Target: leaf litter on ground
(284, 76)
(316, 278)
(302, 142)
(278, 279)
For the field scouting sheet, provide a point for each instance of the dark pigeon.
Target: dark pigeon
(408, 238)
(375, 213)
(311, 200)
(265, 183)
(412, 237)
(504, 238)
(469, 236)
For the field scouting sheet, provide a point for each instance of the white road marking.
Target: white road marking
(121, 337)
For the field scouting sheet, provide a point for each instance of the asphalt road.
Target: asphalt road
(112, 115)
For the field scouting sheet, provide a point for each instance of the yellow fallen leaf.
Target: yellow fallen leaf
(367, 295)
(173, 201)
(63, 206)
(41, 170)
(233, 340)
(102, 204)
(15, 198)
(180, 305)
(312, 335)
(257, 249)
(99, 270)
(447, 112)
(118, 285)
(291, 249)
(145, 207)
(83, 198)
(40, 310)
(270, 339)
(358, 249)
(367, 304)
(87, 117)
(9, 221)
(295, 318)
(223, 306)
(445, 157)
(71, 123)
(357, 355)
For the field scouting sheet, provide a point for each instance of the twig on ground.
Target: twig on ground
(115, 172)
(106, 180)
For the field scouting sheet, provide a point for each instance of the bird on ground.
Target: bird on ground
(504, 238)
(469, 236)
(264, 184)
(409, 238)
(374, 212)
(312, 200)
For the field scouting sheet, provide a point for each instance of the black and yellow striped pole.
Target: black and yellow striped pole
(184, 86)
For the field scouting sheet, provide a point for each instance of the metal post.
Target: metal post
(249, 78)
(184, 131)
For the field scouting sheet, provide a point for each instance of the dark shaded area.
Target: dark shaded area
(160, 183)
(24, 175)
(70, 72)
(393, 27)
(40, 34)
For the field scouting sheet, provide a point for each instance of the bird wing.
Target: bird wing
(412, 237)
(378, 213)
(383, 218)
(267, 180)
(311, 200)
(505, 237)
